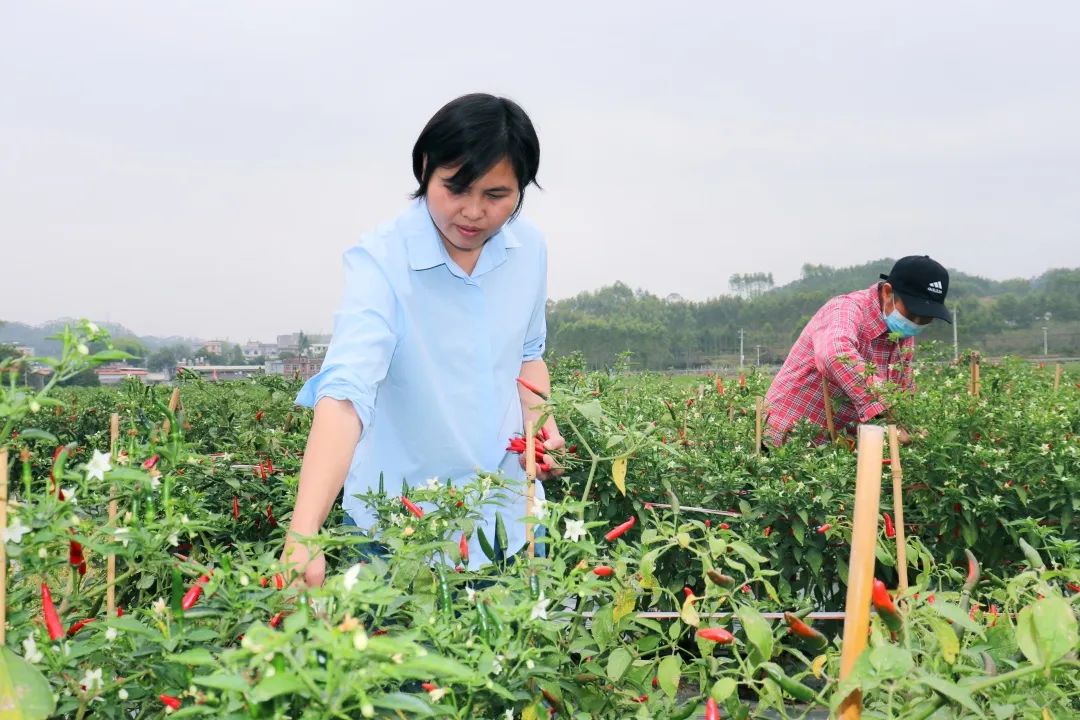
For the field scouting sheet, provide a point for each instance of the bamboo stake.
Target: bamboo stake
(3, 543)
(978, 377)
(1057, 377)
(530, 486)
(861, 564)
(827, 396)
(898, 508)
(759, 409)
(174, 400)
(110, 574)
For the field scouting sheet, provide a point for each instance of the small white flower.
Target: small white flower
(471, 594)
(352, 575)
(92, 328)
(30, 651)
(122, 531)
(122, 694)
(111, 634)
(360, 639)
(34, 406)
(496, 665)
(159, 606)
(540, 509)
(184, 520)
(14, 532)
(69, 496)
(244, 581)
(539, 611)
(98, 466)
(437, 694)
(270, 671)
(433, 483)
(173, 540)
(508, 715)
(42, 553)
(92, 679)
(530, 664)
(155, 480)
(574, 530)
(397, 519)
(82, 349)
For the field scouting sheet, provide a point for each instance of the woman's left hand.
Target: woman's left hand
(554, 442)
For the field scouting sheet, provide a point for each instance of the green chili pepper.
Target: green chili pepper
(1032, 555)
(177, 598)
(493, 620)
(483, 629)
(382, 485)
(446, 604)
(534, 586)
(484, 544)
(501, 542)
(792, 687)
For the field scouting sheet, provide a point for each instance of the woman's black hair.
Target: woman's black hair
(473, 133)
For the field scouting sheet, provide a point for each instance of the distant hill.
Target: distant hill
(997, 317)
(37, 336)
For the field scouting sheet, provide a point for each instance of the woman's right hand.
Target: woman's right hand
(301, 566)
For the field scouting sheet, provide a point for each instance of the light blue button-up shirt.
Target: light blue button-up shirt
(429, 358)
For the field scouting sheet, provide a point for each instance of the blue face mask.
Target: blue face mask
(899, 324)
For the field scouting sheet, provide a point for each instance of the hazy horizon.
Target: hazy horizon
(197, 169)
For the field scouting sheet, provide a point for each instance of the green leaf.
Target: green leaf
(195, 656)
(748, 553)
(723, 688)
(758, 632)
(955, 615)
(281, 683)
(1046, 630)
(624, 604)
(591, 411)
(603, 626)
(223, 681)
(21, 681)
(951, 691)
(947, 639)
(617, 663)
(36, 434)
(402, 701)
(669, 674)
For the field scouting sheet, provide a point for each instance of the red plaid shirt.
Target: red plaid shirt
(843, 337)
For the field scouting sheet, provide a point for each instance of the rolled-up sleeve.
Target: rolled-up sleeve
(363, 342)
(536, 335)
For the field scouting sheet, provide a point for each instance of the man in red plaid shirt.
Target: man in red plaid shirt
(858, 342)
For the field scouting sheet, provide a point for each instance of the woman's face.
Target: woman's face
(466, 220)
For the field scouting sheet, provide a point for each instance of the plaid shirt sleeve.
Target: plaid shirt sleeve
(836, 354)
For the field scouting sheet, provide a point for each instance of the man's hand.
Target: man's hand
(903, 436)
(554, 442)
(311, 571)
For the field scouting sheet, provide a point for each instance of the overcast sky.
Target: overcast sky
(198, 168)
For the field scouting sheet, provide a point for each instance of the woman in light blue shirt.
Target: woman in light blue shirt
(443, 309)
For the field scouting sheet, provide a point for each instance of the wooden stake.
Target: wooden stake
(110, 574)
(759, 410)
(975, 386)
(530, 486)
(3, 544)
(861, 563)
(174, 400)
(898, 508)
(1057, 377)
(827, 396)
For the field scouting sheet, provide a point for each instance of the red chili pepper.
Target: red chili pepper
(886, 461)
(724, 526)
(119, 611)
(194, 592)
(797, 627)
(279, 581)
(48, 611)
(169, 701)
(532, 388)
(463, 547)
(655, 682)
(824, 529)
(712, 712)
(79, 626)
(883, 603)
(412, 507)
(151, 462)
(890, 529)
(235, 507)
(429, 686)
(642, 698)
(1073, 586)
(276, 620)
(688, 592)
(725, 581)
(973, 572)
(719, 386)
(603, 570)
(270, 515)
(259, 416)
(768, 531)
(263, 582)
(708, 523)
(716, 635)
(620, 530)
(269, 466)
(75, 556)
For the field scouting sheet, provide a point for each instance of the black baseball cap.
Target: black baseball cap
(922, 284)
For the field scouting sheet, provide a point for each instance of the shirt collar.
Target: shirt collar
(426, 250)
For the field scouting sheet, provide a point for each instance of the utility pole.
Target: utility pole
(955, 337)
(1046, 346)
(742, 358)
(758, 348)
